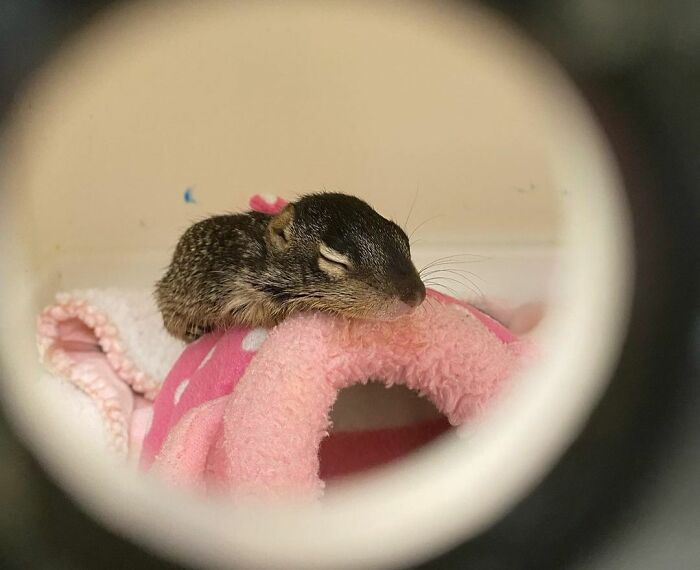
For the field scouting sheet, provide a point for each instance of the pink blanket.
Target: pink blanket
(111, 346)
(247, 410)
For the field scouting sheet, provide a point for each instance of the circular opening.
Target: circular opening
(441, 116)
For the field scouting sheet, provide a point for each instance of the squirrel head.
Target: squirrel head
(334, 252)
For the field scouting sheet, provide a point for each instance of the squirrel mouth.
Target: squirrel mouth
(402, 309)
(397, 310)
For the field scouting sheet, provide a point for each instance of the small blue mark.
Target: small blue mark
(189, 196)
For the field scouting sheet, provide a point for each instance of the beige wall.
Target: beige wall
(236, 98)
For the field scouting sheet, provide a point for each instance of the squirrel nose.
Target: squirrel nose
(414, 296)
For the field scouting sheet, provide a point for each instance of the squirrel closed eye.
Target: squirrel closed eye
(333, 261)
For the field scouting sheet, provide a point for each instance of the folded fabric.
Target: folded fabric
(246, 410)
(111, 345)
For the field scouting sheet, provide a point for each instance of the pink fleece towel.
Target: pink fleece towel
(111, 345)
(246, 410)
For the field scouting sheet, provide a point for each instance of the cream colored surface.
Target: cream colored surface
(233, 98)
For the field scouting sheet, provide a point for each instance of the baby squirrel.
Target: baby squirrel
(326, 252)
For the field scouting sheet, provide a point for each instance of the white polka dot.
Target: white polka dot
(254, 339)
(180, 389)
(207, 358)
(461, 309)
(148, 422)
(270, 199)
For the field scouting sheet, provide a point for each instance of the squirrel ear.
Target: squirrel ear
(278, 229)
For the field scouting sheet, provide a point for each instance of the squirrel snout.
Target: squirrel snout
(413, 296)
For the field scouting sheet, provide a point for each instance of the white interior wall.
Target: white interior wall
(237, 98)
